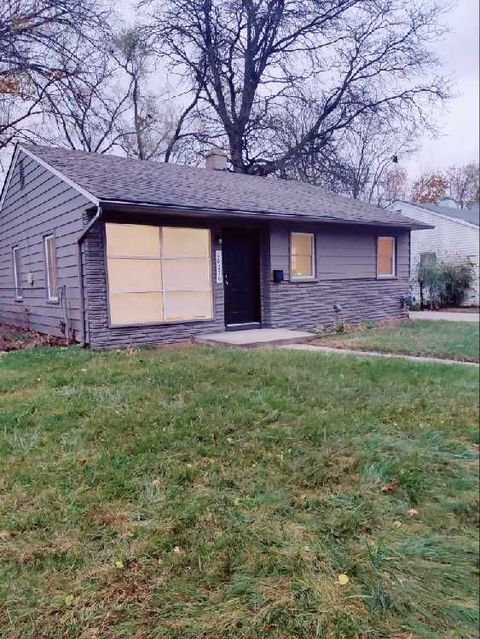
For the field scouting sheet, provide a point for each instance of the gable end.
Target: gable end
(19, 149)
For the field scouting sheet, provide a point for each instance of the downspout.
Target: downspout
(80, 240)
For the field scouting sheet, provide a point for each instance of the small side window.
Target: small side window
(386, 257)
(17, 273)
(302, 256)
(51, 268)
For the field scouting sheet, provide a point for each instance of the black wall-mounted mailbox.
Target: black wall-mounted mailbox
(278, 276)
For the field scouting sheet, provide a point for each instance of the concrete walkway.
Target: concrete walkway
(347, 351)
(444, 315)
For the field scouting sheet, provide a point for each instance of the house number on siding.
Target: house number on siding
(218, 267)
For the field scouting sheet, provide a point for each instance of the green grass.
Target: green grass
(194, 493)
(451, 340)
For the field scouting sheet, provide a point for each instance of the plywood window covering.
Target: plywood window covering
(51, 268)
(17, 273)
(386, 257)
(302, 256)
(158, 274)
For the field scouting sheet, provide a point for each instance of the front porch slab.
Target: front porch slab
(256, 338)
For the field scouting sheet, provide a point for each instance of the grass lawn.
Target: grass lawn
(453, 340)
(210, 494)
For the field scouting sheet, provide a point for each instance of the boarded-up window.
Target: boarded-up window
(386, 257)
(158, 274)
(51, 268)
(17, 272)
(302, 255)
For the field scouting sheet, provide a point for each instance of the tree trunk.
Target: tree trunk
(236, 155)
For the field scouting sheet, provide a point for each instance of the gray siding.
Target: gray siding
(342, 252)
(346, 275)
(42, 205)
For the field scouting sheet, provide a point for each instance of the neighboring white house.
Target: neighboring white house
(454, 238)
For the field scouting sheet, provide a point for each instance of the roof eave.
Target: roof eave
(198, 211)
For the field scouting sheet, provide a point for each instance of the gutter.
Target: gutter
(81, 287)
(196, 211)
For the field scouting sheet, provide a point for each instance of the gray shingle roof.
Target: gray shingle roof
(467, 215)
(113, 178)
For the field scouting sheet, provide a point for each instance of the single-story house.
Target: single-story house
(115, 251)
(453, 237)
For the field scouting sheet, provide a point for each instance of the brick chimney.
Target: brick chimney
(216, 159)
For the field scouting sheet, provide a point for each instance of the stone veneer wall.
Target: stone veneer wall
(307, 305)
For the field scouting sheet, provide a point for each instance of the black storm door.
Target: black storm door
(241, 276)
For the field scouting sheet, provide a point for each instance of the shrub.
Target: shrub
(456, 280)
(341, 327)
(429, 278)
(445, 283)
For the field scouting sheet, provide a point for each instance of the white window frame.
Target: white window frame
(51, 297)
(393, 275)
(303, 278)
(17, 277)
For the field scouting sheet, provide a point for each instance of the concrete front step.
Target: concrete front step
(256, 338)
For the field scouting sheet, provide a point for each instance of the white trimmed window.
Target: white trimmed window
(51, 268)
(302, 256)
(17, 273)
(386, 257)
(158, 274)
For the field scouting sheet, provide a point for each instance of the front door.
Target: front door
(241, 276)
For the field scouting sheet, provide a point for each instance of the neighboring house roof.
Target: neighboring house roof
(466, 215)
(114, 180)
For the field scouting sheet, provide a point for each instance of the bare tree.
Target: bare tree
(152, 126)
(181, 142)
(393, 185)
(42, 43)
(115, 105)
(86, 112)
(463, 184)
(142, 129)
(251, 61)
(361, 163)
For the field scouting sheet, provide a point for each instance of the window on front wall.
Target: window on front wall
(51, 268)
(385, 257)
(17, 272)
(158, 274)
(302, 256)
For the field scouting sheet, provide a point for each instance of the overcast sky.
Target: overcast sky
(458, 142)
